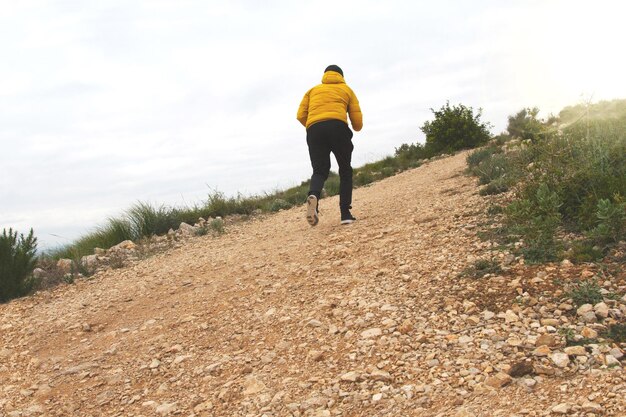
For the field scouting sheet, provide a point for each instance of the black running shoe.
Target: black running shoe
(347, 217)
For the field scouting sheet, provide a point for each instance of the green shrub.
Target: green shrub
(497, 166)
(501, 139)
(331, 186)
(495, 209)
(585, 292)
(455, 128)
(387, 172)
(611, 226)
(147, 220)
(219, 205)
(410, 154)
(202, 231)
(279, 204)
(17, 262)
(617, 333)
(482, 267)
(363, 178)
(574, 179)
(525, 124)
(497, 186)
(584, 251)
(479, 155)
(116, 230)
(537, 220)
(572, 340)
(582, 169)
(217, 225)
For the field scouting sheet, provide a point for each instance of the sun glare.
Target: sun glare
(569, 54)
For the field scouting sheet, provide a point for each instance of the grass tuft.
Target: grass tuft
(585, 292)
(482, 267)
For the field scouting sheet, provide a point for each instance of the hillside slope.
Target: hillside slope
(276, 318)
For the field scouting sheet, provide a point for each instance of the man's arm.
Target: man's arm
(354, 111)
(303, 110)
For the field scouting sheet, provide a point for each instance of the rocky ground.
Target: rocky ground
(275, 318)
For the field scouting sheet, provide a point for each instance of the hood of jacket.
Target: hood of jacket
(332, 77)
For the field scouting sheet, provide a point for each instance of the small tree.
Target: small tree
(455, 128)
(525, 124)
(17, 262)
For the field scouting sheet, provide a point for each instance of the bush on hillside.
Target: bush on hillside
(17, 262)
(581, 169)
(147, 220)
(409, 154)
(479, 155)
(537, 220)
(455, 128)
(525, 124)
(611, 217)
(574, 179)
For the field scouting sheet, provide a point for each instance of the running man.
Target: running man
(323, 111)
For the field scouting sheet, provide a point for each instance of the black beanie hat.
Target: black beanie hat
(334, 68)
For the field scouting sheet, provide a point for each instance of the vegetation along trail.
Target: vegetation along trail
(277, 318)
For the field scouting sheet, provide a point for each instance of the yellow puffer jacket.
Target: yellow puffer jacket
(330, 100)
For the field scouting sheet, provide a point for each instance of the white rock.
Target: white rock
(616, 353)
(611, 361)
(186, 228)
(34, 409)
(592, 407)
(514, 341)
(65, 265)
(377, 397)
(39, 273)
(89, 261)
(560, 359)
(563, 408)
(589, 317)
(585, 308)
(166, 408)
(589, 333)
(575, 350)
(488, 315)
(5, 353)
(370, 333)
(510, 316)
(125, 245)
(380, 375)
(601, 310)
(252, 386)
(351, 376)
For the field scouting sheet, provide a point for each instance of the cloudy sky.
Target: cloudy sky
(105, 103)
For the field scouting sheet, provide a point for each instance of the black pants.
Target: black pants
(323, 138)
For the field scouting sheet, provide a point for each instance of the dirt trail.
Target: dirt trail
(276, 318)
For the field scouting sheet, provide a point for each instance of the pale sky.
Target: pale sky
(106, 103)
